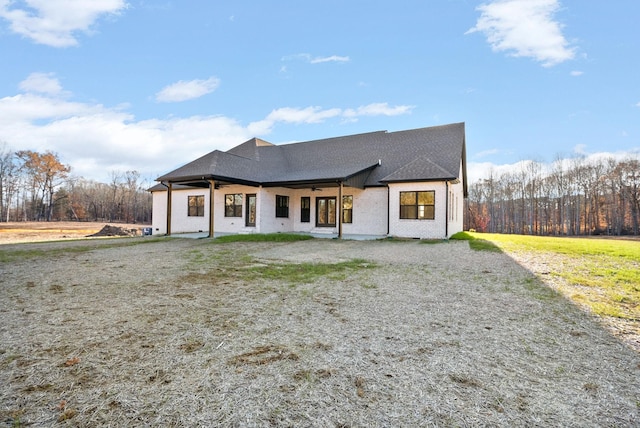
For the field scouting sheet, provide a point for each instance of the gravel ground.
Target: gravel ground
(181, 332)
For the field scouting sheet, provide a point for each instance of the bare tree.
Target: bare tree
(9, 179)
(628, 172)
(46, 173)
(575, 196)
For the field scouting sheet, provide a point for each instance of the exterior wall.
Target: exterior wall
(449, 199)
(369, 211)
(234, 224)
(159, 213)
(456, 208)
(180, 221)
(424, 229)
(269, 223)
(295, 212)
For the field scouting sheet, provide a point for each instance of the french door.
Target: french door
(325, 212)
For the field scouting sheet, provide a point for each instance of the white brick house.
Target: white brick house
(406, 184)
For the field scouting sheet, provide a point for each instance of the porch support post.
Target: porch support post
(212, 187)
(169, 198)
(339, 209)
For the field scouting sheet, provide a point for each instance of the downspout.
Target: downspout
(169, 198)
(212, 186)
(339, 207)
(446, 210)
(388, 210)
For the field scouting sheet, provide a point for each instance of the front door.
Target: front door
(326, 212)
(250, 217)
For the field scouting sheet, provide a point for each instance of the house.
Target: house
(404, 184)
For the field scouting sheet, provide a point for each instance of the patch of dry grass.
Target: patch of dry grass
(184, 333)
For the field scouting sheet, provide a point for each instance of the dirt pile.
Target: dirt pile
(109, 230)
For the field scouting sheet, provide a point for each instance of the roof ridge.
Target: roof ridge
(408, 166)
(332, 138)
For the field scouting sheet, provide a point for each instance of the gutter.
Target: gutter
(388, 210)
(446, 210)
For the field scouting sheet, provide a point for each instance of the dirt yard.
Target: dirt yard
(41, 231)
(182, 332)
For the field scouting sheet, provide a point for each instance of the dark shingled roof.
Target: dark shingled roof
(425, 154)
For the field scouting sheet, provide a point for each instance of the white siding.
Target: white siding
(234, 224)
(456, 219)
(159, 213)
(267, 201)
(376, 211)
(424, 229)
(180, 221)
(370, 211)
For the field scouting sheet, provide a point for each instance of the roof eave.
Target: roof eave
(420, 180)
(201, 178)
(324, 182)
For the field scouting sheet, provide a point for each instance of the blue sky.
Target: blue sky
(148, 85)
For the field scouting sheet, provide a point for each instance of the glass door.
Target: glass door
(326, 212)
(250, 218)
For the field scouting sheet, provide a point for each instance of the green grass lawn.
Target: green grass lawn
(603, 274)
(262, 237)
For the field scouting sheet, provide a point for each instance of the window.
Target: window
(305, 209)
(418, 205)
(282, 206)
(196, 206)
(347, 209)
(250, 217)
(325, 212)
(233, 205)
(451, 208)
(456, 208)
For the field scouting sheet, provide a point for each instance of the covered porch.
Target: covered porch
(307, 181)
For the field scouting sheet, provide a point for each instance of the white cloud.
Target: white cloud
(56, 22)
(187, 90)
(576, 73)
(319, 115)
(580, 149)
(292, 115)
(305, 115)
(97, 140)
(638, 105)
(524, 28)
(487, 153)
(483, 170)
(25, 108)
(332, 58)
(316, 60)
(377, 109)
(44, 83)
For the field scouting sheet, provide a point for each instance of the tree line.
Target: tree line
(37, 186)
(568, 197)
